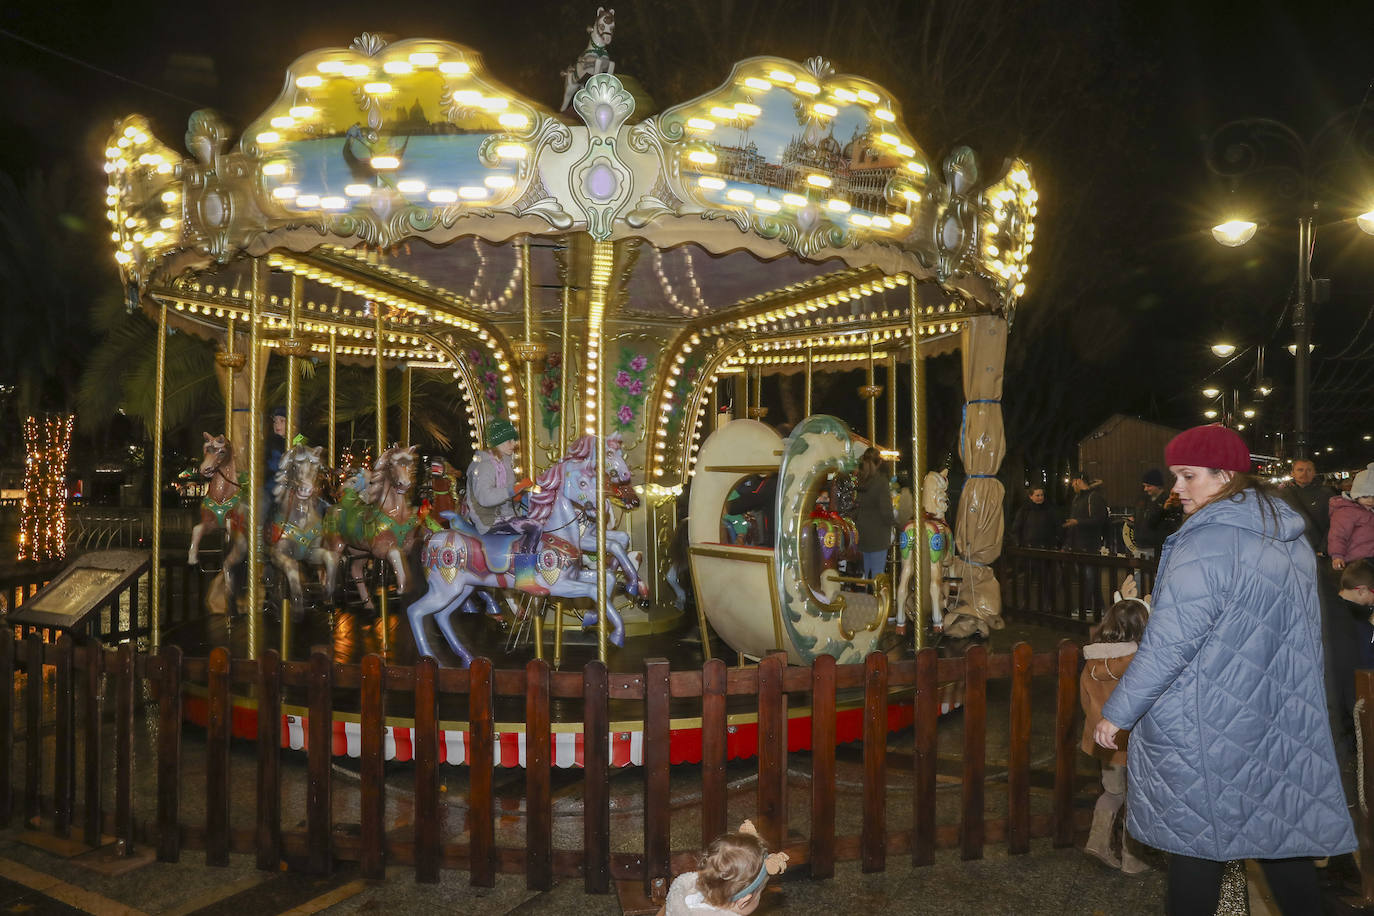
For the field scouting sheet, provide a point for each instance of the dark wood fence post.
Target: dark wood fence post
(95, 720)
(267, 827)
(772, 750)
(426, 750)
(823, 767)
(319, 811)
(124, 749)
(923, 758)
(217, 735)
(1065, 746)
(6, 725)
(714, 797)
(481, 759)
(971, 825)
(372, 769)
(873, 834)
(538, 791)
(657, 798)
(33, 728)
(169, 755)
(1018, 754)
(596, 790)
(64, 740)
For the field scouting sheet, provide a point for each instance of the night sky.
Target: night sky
(1148, 288)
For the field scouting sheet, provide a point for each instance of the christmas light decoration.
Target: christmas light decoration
(43, 523)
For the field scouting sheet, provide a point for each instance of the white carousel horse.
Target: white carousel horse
(459, 560)
(595, 59)
(297, 531)
(936, 547)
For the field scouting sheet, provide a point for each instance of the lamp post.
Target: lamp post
(1266, 148)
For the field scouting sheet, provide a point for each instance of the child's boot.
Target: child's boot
(1100, 837)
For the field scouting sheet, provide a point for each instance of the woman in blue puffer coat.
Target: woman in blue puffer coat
(1231, 753)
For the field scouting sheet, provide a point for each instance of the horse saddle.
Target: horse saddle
(524, 540)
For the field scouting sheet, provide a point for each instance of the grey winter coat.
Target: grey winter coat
(1231, 754)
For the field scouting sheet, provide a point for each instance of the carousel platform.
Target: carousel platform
(348, 635)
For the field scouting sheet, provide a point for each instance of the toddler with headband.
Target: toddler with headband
(729, 879)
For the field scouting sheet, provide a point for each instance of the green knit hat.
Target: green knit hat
(498, 431)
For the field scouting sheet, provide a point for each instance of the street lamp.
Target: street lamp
(1223, 350)
(1263, 146)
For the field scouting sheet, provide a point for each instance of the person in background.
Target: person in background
(1357, 599)
(1351, 532)
(874, 514)
(1113, 644)
(1312, 499)
(1035, 524)
(1157, 514)
(1231, 752)
(1087, 522)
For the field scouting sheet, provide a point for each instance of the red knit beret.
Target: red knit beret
(1211, 446)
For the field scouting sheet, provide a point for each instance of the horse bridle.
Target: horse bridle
(219, 469)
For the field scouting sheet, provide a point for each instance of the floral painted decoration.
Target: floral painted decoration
(488, 377)
(628, 392)
(551, 393)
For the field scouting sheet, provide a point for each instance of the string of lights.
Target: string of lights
(43, 520)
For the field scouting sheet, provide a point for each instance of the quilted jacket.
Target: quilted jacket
(1231, 752)
(1352, 530)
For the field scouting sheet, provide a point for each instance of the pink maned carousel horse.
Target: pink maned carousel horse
(224, 507)
(377, 521)
(297, 531)
(459, 561)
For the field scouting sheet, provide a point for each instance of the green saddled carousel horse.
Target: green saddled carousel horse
(377, 519)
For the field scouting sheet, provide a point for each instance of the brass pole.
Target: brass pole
(713, 420)
(255, 506)
(892, 404)
(292, 385)
(155, 568)
(758, 387)
(603, 258)
(229, 385)
(333, 379)
(527, 427)
(743, 393)
(407, 378)
(918, 472)
(379, 338)
(565, 376)
(806, 399)
(872, 401)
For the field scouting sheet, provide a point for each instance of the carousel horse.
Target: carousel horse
(223, 508)
(594, 59)
(297, 531)
(376, 521)
(938, 544)
(460, 561)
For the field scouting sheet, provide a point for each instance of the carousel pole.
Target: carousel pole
(892, 404)
(379, 339)
(565, 378)
(292, 408)
(715, 407)
(742, 392)
(528, 352)
(758, 390)
(871, 396)
(407, 377)
(228, 363)
(333, 379)
(806, 398)
(603, 260)
(255, 506)
(918, 472)
(155, 568)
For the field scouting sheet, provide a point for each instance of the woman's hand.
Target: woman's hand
(1105, 734)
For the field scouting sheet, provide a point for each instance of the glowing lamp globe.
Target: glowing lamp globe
(1234, 232)
(1366, 221)
(1223, 349)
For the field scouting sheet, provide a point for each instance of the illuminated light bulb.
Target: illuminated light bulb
(818, 181)
(882, 222)
(495, 103)
(472, 193)
(767, 206)
(167, 222)
(499, 181)
(330, 66)
(302, 111)
(701, 157)
(714, 184)
(454, 68)
(356, 70)
(748, 110)
(398, 67)
(825, 109)
(753, 82)
(307, 200)
(1232, 233)
(283, 121)
(916, 167)
(511, 151)
(333, 202)
(268, 136)
(285, 192)
(1019, 289)
(901, 219)
(905, 150)
(376, 88)
(739, 195)
(513, 120)
(808, 87)
(860, 219)
(357, 190)
(309, 82)
(844, 95)
(169, 197)
(782, 76)
(837, 205)
(423, 59)
(725, 114)
(274, 168)
(385, 162)
(701, 124)
(410, 186)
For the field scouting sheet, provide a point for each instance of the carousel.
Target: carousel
(612, 287)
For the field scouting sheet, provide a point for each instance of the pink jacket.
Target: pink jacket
(1352, 530)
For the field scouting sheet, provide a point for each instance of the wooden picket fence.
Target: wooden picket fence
(85, 676)
(1064, 589)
